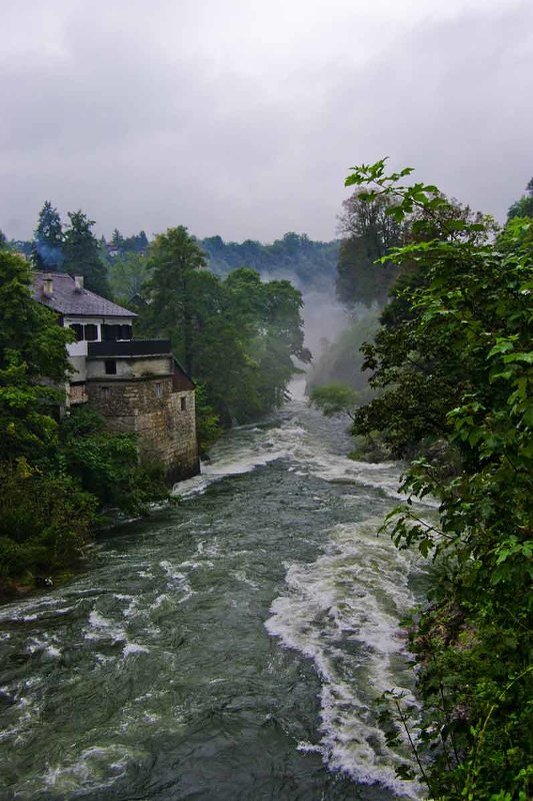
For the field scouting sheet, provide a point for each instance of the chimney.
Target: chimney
(48, 286)
(78, 283)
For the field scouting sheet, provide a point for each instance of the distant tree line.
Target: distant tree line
(308, 263)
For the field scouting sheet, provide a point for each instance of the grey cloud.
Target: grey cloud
(242, 125)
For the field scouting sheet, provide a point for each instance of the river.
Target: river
(229, 648)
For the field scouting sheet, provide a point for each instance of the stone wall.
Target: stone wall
(163, 419)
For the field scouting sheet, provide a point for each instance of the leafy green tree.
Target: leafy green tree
(281, 340)
(334, 399)
(208, 428)
(119, 246)
(467, 315)
(117, 240)
(106, 465)
(54, 477)
(44, 517)
(47, 246)
(175, 257)
(127, 276)
(236, 337)
(45, 520)
(369, 232)
(3, 240)
(82, 254)
(32, 348)
(524, 206)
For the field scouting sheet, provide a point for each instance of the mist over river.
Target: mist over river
(226, 649)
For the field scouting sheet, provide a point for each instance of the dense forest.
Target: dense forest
(221, 301)
(450, 370)
(236, 334)
(57, 476)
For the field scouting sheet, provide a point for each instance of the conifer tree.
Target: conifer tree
(47, 246)
(82, 254)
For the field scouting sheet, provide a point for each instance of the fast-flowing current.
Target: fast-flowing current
(229, 648)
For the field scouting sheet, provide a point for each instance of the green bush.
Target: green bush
(44, 521)
(107, 465)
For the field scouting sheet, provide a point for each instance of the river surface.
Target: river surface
(226, 649)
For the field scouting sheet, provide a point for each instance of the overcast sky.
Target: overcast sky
(242, 117)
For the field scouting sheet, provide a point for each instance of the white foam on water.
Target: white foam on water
(134, 648)
(159, 601)
(95, 768)
(241, 576)
(291, 441)
(177, 580)
(33, 609)
(261, 454)
(101, 628)
(342, 612)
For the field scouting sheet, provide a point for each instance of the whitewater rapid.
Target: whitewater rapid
(231, 648)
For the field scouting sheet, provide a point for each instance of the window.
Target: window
(105, 393)
(158, 390)
(91, 332)
(183, 404)
(111, 332)
(125, 331)
(110, 367)
(78, 330)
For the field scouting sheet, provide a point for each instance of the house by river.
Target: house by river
(135, 384)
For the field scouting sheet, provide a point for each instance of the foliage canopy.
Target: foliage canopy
(453, 361)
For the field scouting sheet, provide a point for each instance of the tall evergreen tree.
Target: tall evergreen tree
(117, 240)
(47, 246)
(82, 254)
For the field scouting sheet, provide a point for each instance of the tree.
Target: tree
(334, 399)
(466, 312)
(53, 476)
(127, 275)
(117, 240)
(313, 264)
(524, 206)
(236, 337)
(267, 321)
(369, 232)
(32, 350)
(175, 257)
(47, 246)
(82, 254)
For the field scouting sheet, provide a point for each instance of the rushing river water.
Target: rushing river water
(227, 649)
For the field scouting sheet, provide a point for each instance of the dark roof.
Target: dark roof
(66, 299)
(181, 380)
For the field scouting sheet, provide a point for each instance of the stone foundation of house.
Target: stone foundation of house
(162, 417)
